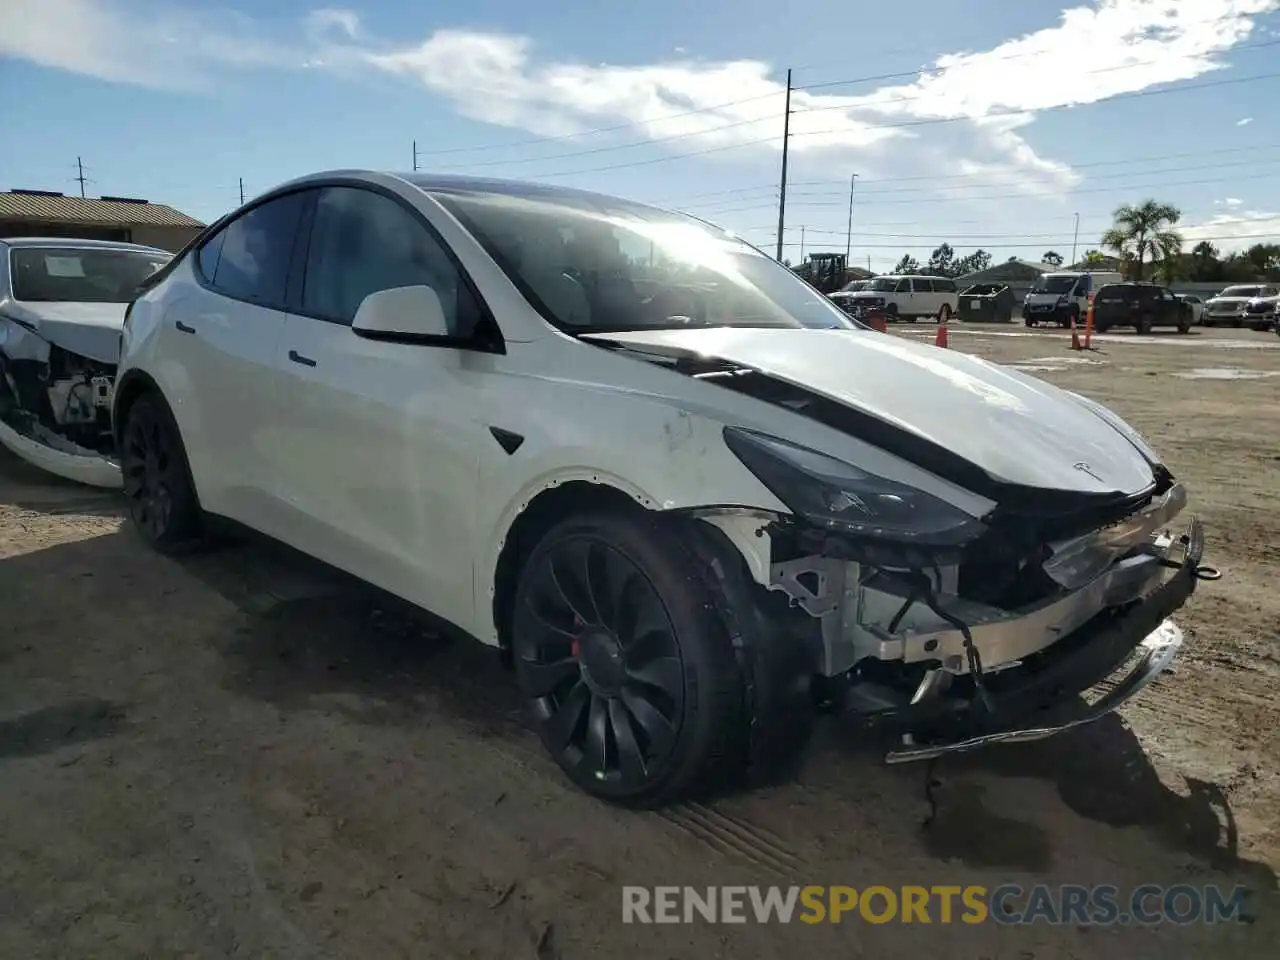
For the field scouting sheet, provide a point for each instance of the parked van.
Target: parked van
(909, 297)
(1063, 297)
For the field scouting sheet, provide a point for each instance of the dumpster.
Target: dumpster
(989, 302)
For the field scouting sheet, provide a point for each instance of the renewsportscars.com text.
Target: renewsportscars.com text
(1148, 904)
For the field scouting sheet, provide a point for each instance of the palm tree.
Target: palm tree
(1144, 230)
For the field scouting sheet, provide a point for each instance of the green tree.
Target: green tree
(1052, 257)
(1094, 256)
(942, 262)
(908, 264)
(1206, 263)
(1265, 259)
(1144, 232)
(978, 260)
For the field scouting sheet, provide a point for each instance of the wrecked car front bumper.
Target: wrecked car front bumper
(1033, 705)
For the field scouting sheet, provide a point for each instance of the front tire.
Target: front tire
(157, 481)
(625, 666)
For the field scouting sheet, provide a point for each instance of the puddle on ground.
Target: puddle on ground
(1226, 373)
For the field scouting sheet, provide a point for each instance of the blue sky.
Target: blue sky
(986, 124)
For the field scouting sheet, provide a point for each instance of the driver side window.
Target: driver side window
(363, 242)
(904, 286)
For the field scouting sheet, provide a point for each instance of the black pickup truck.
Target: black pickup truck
(1141, 306)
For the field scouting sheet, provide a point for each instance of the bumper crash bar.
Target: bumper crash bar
(1160, 642)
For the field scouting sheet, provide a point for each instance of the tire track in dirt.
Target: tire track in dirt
(734, 837)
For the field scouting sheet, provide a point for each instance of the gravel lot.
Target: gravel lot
(237, 754)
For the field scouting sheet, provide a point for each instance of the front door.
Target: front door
(377, 443)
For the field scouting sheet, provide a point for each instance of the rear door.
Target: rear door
(219, 355)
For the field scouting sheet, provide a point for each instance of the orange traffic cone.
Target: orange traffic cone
(1075, 336)
(941, 339)
(877, 322)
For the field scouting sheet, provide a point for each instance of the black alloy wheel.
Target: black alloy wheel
(600, 663)
(157, 484)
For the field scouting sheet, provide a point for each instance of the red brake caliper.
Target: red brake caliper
(573, 646)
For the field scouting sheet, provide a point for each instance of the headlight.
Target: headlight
(847, 499)
(1134, 437)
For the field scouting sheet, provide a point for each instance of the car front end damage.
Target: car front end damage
(55, 406)
(958, 646)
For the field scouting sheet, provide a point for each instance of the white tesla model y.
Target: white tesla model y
(691, 499)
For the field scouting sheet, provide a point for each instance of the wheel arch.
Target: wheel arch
(128, 389)
(533, 516)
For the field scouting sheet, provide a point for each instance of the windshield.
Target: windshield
(597, 265)
(853, 285)
(882, 284)
(80, 274)
(1053, 285)
(1242, 292)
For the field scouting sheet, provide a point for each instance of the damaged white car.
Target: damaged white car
(62, 305)
(692, 500)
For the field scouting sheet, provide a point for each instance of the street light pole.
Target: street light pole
(1075, 238)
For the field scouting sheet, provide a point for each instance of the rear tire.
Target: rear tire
(157, 480)
(626, 668)
(1144, 325)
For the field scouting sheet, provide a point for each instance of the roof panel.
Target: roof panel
(27, 206)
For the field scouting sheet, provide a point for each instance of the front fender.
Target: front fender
(666, 459)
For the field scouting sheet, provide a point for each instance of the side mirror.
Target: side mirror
(401, 312)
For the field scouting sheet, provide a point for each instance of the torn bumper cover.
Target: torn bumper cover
(55, 404)
(1092, 655)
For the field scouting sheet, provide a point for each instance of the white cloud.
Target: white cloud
(1240, 228)
(499, 78)
(1228, 202)
(1244, 122)
(145, 43)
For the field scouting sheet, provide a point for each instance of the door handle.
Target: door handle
(296, 357)
(183, 328)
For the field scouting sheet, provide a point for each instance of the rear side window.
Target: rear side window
(944, 286)
(253, 252)
(922, 286)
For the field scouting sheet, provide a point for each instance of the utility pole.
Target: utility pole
(415, 156)
(782, 194)
(802, 244)
(848, 237)
(242, 191)
(1074, 239)
(81, 178)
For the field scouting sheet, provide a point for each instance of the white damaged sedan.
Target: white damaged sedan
(62, 305)
(689, 498)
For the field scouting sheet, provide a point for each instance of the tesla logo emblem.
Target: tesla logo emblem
(1084, 468)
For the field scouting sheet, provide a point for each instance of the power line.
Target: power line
(831, 194)
(867, 78)
(937, 178)
(927, 121)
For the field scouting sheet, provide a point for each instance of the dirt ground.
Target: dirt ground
(236, 754)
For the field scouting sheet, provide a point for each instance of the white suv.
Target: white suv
(685, 494)
(909, 297)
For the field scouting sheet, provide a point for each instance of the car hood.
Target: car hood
(1014, 427)
(89, 329)
(1228, 301)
